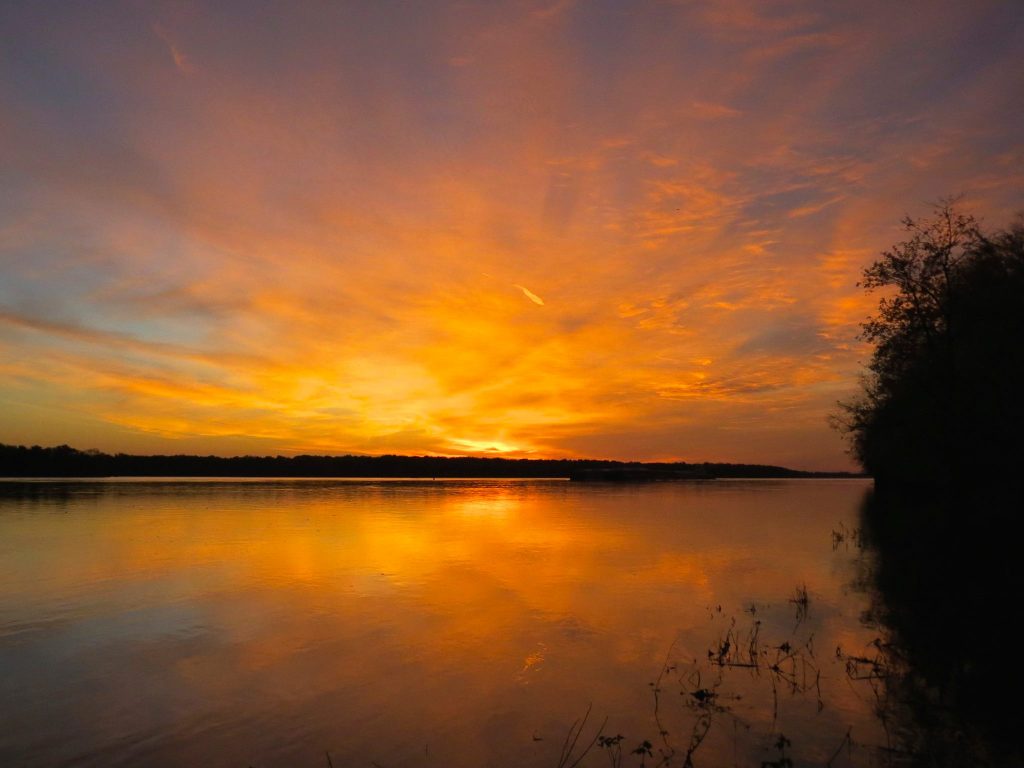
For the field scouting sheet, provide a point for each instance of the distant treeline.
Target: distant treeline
(64, 461)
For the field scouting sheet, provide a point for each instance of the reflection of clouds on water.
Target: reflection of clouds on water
(339, 614)
(532, 664)
(484, 506)
(574, 629)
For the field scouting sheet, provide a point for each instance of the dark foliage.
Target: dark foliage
(942, 400)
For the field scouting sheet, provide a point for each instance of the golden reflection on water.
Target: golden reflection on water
(402, 622)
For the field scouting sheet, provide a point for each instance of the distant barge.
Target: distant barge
(639, 474)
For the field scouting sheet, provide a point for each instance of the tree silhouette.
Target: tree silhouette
(943, 394)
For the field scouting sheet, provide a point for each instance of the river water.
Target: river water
(434, 623)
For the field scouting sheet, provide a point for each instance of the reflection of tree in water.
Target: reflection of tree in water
(942, 674)
(944, 585)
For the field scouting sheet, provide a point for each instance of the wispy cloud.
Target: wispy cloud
(181, 61)
(530, 295)
(711, 111)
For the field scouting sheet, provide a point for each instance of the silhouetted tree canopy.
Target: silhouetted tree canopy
(942, 400)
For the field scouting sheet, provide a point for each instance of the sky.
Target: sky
(538, 228)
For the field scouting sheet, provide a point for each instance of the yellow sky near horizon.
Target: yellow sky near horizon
(519, 228)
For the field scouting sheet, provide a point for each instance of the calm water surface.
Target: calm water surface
(420, 623)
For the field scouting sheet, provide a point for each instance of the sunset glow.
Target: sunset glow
(544, 229)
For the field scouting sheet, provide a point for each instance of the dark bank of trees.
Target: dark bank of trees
(64, 461)
(943, 398)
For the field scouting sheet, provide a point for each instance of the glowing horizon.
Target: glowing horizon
(537, 229)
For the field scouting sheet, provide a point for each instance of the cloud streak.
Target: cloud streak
(180, 60)
(530, 295)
